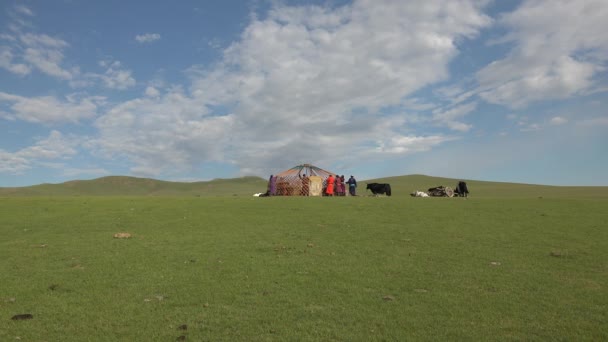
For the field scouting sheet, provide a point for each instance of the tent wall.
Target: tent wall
(300, 180)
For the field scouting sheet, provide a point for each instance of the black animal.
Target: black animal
(379, 188)
(461, 189)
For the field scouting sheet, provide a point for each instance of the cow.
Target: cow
(379, 188)
(461, 189)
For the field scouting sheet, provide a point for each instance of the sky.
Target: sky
(509, 91)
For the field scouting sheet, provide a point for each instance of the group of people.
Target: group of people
(337, 186)
(333, 185)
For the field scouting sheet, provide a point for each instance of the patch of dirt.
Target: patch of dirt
(122, 235)
(77, 267)
(157, 298)
(559, 254)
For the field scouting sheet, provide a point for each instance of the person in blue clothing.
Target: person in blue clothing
(352, 186)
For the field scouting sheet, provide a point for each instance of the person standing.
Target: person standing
(338, 186)
(330, 185)
(272, 185)
(352, 186)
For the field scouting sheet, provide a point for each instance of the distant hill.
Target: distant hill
(133, 186)
(404, 185)
(247, 186)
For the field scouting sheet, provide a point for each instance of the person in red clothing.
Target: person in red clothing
(337, 186)
(330, 185)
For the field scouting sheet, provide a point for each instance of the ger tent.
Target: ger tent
(300, 180)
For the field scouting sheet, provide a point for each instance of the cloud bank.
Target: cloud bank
(304, 84)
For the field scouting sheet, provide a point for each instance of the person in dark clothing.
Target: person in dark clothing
(272, 185)
(352, 186)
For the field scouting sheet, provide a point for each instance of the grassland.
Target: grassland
(512, 262)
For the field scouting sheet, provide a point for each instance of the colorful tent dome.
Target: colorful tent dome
(301, 180)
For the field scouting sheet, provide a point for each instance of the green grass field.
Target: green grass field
(512, 262)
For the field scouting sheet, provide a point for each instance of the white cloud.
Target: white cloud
(534, 81)
(559, 47)
(411, 144)
(152, 92)
(147, 38)
(54, 147)
(530, 127)
(48, 109)
(6, 62)
(326, 64)
(42, 40)
(31, 51)
(169, 133)
(558, 120)
(45, 53)
(450, 116)
(12, 163)
(27, 51)
(594, 122)
(47, 61)
(76, 172)
(22, 9)
(8, 37)
(114, 77)
(19, 16)
(417, 104)
(305, 84)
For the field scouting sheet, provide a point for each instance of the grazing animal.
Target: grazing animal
(461, 189)
(379, 188)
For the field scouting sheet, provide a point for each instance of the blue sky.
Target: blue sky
(512, 91)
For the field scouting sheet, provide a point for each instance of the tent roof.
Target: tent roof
(305, 169)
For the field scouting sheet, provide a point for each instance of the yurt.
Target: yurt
(301, 180)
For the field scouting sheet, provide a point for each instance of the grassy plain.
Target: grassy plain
(512, 262)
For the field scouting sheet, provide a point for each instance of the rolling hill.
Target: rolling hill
(404, 185)
(133, 186)
(246, 186)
